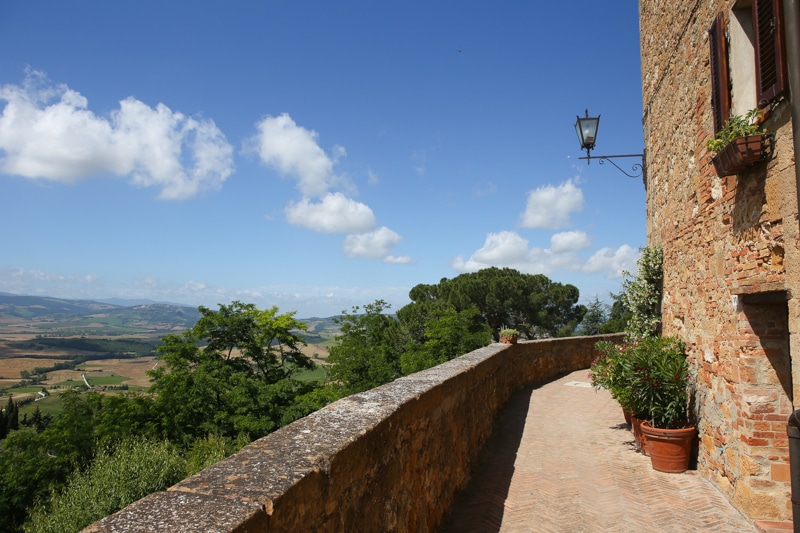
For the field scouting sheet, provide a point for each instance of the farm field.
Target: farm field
(116, 345)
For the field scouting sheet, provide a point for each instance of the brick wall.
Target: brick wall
(389, 459)
(731, 261)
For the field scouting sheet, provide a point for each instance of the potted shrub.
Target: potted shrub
(660, 388)
(613, 370)
(739, 144)
(509, 336)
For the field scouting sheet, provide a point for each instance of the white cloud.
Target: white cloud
(569, 241)
(47, 131)
(334, 214)
(504, 248)
(509, 249)
(375, 245)
(550, 206)
(613, 262)
(293, 151)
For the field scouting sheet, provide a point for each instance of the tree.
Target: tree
(618, 316)
(367, 353)
(447, 334)
(643, 294)
(9, 417)
(595, 317)
(230, 374)
(119, 476)
(530, 303)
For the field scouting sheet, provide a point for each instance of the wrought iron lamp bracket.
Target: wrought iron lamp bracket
(637, 168)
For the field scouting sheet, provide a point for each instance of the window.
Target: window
(770, 54)
(747, 59)
(720, 86)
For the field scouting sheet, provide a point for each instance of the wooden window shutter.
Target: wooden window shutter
(771, 76)
(720, 83)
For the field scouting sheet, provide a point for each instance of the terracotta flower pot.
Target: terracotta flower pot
(669, 449)
(627, 414)
(740, 154)
(638, 436)
(509, 339)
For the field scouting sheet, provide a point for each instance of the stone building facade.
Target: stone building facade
(731, 243)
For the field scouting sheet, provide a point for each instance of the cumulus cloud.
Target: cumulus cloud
(334, 214)
(293, 151)
(569, 241)
(505, 249)
(509, 249)
(550, 206)
(613, 262)
(375, 245)
(47, 131)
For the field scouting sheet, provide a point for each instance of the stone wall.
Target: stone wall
(389, 459)
(731, 260)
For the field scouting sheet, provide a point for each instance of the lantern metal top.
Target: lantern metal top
(586, 128)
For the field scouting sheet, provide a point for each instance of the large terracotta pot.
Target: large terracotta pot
(638, 436)
(669, 449)
(627, 414)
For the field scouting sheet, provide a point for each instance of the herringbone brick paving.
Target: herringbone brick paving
(562, 460)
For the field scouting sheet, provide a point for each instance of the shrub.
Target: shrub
(118, 476)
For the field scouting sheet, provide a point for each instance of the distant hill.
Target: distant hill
(56, 316)
(88, 317)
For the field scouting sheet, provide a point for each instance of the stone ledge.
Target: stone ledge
(388, 459)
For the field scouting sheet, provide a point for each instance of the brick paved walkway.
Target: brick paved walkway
(562, 460)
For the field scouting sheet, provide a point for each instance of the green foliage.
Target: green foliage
(532, 304)
(447, 334)
(737, 126)
(612, 371)
(594, 319)
(660, 382)
(509, 332)
(311, 401)
(239, 382)
(209, 450)
(118, 476)
(643, 294)
(9, 418)
(648, 377)
(367, 353)
(618, 317)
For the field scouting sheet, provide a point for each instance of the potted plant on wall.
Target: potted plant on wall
(509, 336)
(660, 388)
(739, 144)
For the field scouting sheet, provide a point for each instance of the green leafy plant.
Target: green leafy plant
(612, 370)
(660, 384)
(643, 294)
(509, 332)
(737, 126)
(648, 377)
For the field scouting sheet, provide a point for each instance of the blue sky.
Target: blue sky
(313, 155)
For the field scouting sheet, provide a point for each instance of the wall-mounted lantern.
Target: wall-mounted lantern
(586, 128)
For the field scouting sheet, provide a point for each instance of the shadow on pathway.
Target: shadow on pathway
(562, 459)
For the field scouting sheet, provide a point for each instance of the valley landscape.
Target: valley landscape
(49, 345)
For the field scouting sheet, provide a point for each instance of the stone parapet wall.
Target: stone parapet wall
(731, 260)
(388, 459)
